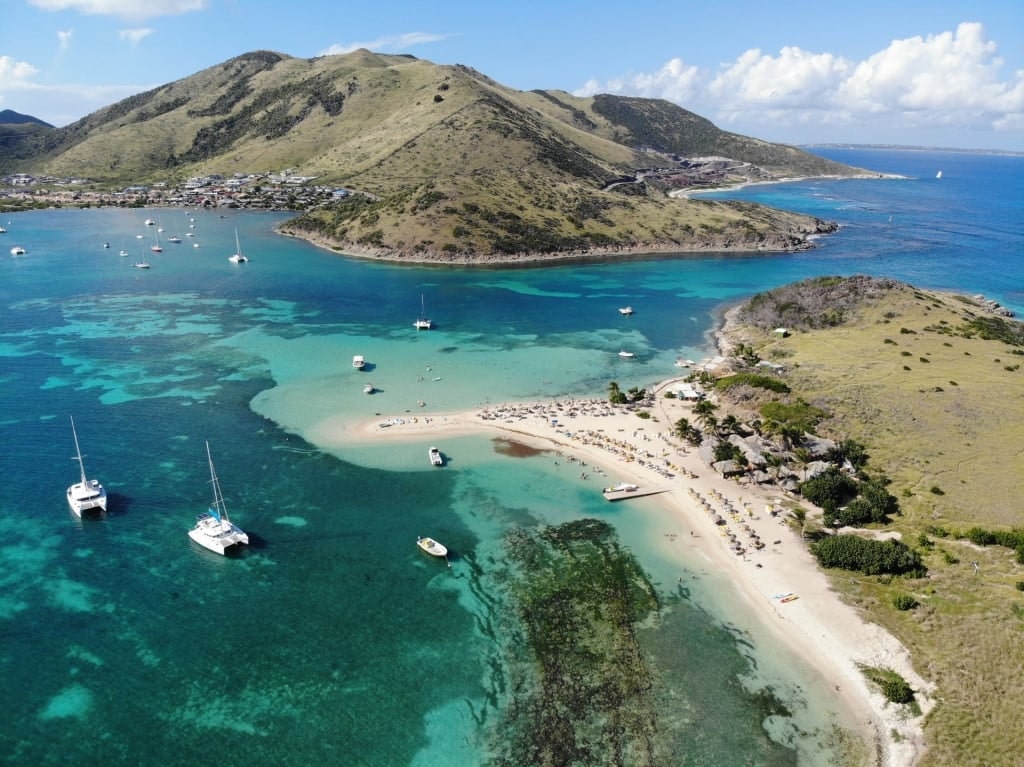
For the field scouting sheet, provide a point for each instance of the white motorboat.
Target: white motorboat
(627, 355)
(150, 222)
(2, 230)
(626, 310)
(174, 238)
(238, 257)
(214, 530)
(436, 459)
(369, 389)
(17, 250)
(622, 487)
(422, 323)
(85, 494)
(358, 362)
(432, 547)
(681, 362)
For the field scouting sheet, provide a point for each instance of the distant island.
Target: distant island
(414, 161)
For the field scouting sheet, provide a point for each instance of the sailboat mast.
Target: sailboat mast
(218, 499)
(78, 450)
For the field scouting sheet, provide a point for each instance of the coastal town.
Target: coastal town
(277, 190)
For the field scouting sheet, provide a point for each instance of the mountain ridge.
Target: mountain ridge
(453, 165)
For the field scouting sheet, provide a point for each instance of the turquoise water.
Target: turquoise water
(332, 638)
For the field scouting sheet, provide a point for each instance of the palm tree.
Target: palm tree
(685, 431)
(803, 457)
(800, 515)
(730, 424)
(615, 395)
(704, 410)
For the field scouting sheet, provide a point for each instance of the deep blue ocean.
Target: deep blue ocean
(332, 639)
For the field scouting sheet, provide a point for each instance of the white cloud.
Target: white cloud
(64, 36)
(128, 9)
(56, 104)
(14, 74)
(392, 42)
(134, 36)
(949, 80)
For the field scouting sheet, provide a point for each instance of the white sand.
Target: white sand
(821, 628)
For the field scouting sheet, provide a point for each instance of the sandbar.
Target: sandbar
(741, 529)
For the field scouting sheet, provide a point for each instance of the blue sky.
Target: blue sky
(936, 73)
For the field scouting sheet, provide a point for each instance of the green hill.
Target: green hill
(451, 165)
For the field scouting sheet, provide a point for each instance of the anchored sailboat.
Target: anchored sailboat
(238, 257)
(86, 493)
(422, 323)
(214, 530)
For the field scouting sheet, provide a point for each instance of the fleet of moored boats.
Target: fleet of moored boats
(213, 529)
(238, 257)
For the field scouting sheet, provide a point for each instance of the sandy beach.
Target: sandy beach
(740, 529)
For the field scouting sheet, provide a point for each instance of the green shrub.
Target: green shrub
(850, 552)
(830, 487)
(1019, 585)
(904, 602)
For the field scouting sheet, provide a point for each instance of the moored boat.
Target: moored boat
(85, 494)
(436, 459)
(214, 530)
(626, 355)
(622, 487)
(358, 362)
(432, 547)
(626, 310)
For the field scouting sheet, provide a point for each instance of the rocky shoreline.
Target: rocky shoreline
(641, 250)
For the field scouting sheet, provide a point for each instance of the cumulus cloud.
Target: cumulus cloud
(56, 104)
(14, 74)
(64, 37)
(950, 79)
(128, 9)
(387, 43)
(134, 36)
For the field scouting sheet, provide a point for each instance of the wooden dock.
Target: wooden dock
(640, 492)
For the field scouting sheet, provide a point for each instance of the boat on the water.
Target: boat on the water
(214, 530)
(682, 362)
(626, 310)
(85, 494)
(436, 459)
(358, 362)
(626, 355)
(369, 389)
(432, 547)
(422, 322)
(238, 257)
(622, 487)
(17, 250)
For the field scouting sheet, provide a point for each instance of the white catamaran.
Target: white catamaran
(86, 494)
(422, 322)
(238, 257)
(214, 530)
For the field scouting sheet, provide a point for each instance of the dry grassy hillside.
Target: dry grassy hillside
(933, 385)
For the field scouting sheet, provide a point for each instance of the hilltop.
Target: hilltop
(443, 162)
(929, 383)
